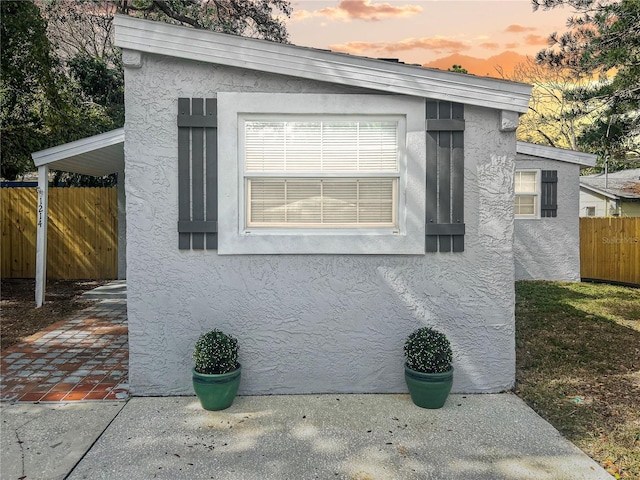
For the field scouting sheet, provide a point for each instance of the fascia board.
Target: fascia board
(283, 59)
(553, 153)
(598, 191)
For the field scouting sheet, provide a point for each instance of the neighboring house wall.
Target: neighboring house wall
(603, 205)
(607, 207)
(308, 323)
(630, 209)
(549, 248)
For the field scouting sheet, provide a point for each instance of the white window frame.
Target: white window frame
(537, 193)
(406, 237)
(397, 201)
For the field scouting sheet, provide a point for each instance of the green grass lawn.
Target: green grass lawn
(578, 366)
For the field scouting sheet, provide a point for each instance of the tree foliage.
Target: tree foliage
(62, 76)
(554, 118)
(457, 69)
(28, 96)
(249, 18)
(603, 42)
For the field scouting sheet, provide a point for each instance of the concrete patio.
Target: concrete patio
(350, 437)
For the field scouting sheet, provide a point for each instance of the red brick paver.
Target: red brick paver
(85, 357)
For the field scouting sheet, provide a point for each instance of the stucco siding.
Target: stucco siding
(549, 248)
(307, 323)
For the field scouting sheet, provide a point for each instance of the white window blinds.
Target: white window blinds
(526, 190)
(316, 173)
(321, 146)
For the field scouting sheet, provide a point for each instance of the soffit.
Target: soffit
(98, 155)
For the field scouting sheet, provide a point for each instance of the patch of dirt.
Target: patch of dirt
(21, 318)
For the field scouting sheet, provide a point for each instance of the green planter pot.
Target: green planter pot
(428, 390)
(216, 391)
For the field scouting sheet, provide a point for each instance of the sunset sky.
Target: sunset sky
(434, 33)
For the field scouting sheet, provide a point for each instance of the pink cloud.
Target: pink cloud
(348, 10)
(489, 45)
(536, 40)
(515, 28)
(436, 44)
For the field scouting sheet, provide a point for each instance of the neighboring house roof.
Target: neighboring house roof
(98, 155)
(559, 154)
(623, 184)
(284, 59)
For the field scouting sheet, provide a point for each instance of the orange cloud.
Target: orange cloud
(348, 10)
(437, 44)
(536, 40)
(515, 28)
(510, 46)
(490, 45)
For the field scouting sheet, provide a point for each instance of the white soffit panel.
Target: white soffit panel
(98, 155)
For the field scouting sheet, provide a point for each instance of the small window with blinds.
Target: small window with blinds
(305, 172)
(527, 193)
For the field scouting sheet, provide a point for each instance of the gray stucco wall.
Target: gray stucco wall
(307, 323)
(122, 228)
(549, 248)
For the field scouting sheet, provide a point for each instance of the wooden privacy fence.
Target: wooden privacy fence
(610, 249)
(82, 237)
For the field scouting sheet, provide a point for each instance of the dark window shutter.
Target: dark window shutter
(549, 193)
(197, 174)
(445, 177)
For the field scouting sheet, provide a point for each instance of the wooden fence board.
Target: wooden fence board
(610, 249)
(82, 238)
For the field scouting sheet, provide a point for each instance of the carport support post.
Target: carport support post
(41, 238)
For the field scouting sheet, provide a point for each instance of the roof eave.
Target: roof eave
(559, 154)
(97, 155)
(599, 191)
(249, 53)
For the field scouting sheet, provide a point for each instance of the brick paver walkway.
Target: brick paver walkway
(82, 358)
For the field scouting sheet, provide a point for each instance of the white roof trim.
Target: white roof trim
(206, 46)
(544, 151)
(599, 191)
(98, 155)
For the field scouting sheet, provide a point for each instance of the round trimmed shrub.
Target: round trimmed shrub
(216, 352)
(428, 351)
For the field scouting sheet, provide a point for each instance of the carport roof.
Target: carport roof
(98, 155)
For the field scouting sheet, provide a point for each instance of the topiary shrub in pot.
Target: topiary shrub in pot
(216, 374)
(428, 370)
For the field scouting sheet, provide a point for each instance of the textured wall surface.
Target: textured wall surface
(549, 248)
(122, 228)
(307, 323)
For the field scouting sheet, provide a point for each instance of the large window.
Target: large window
(527, 194)
(321, 172)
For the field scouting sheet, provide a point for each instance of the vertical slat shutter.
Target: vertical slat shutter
(445, 177)
(197, 174)
(549, 193)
